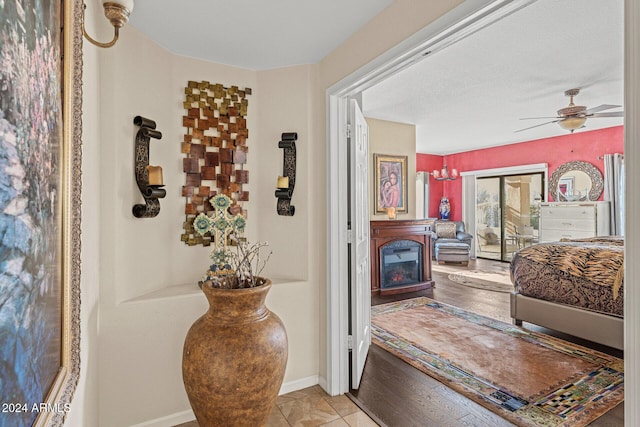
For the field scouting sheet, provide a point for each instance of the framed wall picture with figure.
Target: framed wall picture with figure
(390, 183)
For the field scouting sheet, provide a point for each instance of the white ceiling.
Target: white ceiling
(254, 34)
(474, 93)
(466, 96)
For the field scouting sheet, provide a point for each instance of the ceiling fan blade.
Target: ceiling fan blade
(541, 124)
(611, 114)
(538, 118)
(601, 108)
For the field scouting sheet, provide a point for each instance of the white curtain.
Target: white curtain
(614, 191)
(469, 207)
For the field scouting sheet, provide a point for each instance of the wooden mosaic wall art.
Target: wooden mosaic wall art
(215, 150)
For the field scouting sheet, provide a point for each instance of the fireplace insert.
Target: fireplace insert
(400, 264)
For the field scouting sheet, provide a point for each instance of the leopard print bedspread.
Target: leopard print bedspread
(587, 273)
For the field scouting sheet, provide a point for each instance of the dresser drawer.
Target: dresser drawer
(571, 212)
(556, 235)
(551, 222)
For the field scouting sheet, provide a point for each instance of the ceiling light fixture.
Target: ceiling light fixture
(572, 123)
(117, 12)
(444, 175)
(574, 115)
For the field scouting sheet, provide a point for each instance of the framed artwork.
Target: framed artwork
(40, 189)
(390, 183)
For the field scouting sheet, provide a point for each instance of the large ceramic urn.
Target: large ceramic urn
(234, 358)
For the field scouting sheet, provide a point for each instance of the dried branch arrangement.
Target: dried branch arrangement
(237, 266)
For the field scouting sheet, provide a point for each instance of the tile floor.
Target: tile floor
(312, 407)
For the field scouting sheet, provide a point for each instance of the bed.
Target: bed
(575, 287)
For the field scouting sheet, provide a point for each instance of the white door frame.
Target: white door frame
(462, 21)
(632, 206)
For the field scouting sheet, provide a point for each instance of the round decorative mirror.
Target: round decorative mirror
(576, 181)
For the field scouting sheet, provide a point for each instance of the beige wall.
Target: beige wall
(394, 139)
(284, 105)
(138, 282)
(145, 276)
(148, 277)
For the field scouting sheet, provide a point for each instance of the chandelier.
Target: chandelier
(444, 175)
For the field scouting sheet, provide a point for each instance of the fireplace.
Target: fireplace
(400, 256)
(400, 264)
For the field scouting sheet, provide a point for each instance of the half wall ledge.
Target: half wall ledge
(192, 289)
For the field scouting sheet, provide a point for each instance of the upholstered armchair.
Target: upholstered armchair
(450, 241)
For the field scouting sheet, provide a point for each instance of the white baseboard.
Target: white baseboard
(169, 420)
(185, 416)
(298, 384)
(322, 382)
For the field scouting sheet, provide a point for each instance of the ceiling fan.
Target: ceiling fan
(574, 116)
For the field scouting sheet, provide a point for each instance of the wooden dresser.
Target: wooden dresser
(572, 220)
(388, 233)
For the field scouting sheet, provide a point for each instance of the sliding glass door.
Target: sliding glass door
(507, 214)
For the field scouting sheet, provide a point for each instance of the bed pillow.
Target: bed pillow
(446, 230)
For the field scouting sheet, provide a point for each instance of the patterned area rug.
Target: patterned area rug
(481, 280)
(528, 378)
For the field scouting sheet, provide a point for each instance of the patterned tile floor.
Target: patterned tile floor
(312, 407)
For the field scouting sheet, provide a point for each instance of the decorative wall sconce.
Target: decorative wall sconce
(117, 12)
(287, 182)
(444, 175)
(149, 178)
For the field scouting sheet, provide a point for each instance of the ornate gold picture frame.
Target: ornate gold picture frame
(390, 183)
(40, 195)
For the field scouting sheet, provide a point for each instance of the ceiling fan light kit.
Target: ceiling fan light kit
(574, 116)
(572, 123)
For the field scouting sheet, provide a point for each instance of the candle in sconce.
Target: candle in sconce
(155, 175)
(283, 182)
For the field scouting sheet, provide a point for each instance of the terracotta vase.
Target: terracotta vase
(234, 358)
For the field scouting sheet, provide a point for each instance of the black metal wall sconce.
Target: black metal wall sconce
(287, 182)
(149, 178)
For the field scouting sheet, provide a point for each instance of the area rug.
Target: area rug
(528, 378)
(475, 278)
(483, 280)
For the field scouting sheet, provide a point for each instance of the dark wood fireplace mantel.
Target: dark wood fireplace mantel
(385, 232)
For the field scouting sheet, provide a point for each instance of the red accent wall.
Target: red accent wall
(586, 146)
(429, 162)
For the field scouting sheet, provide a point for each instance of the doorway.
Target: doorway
(465, 19)
(336, 370)
(507, 210)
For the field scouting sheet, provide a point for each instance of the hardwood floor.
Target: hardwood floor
(398, 395)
